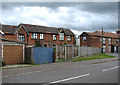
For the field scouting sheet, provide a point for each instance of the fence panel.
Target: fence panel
(64, 52)
(42, 55)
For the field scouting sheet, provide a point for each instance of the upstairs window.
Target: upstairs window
(34, 35)
(109, 40)
(103, 40)
(41, 36)
(61, 36)
(68, 38)
(117, 41)
(21, 37)
(84, 39)
(54, 37)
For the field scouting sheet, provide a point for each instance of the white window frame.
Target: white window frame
(34, 36)
(68, 38)
(54, 37)
(21, 37)
(109, 40)
(103, 40)
(84, 39)
(41, 36)
(117, 41)
(61, 36)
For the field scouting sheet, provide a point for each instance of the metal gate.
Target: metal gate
(43, 55)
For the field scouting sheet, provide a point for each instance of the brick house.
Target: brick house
(94, 39)
(45, 36)
(12, 51)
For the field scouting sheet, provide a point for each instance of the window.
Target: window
(21, 37)
(41, 36)
(117, 41)
(34, 35)
(68, 38)
(54, 45)
(54, 37)
(103, 40)
(103, 48)
(84, 46)
(84, 39)
(109, 40)
(45, 45)
(61, 36)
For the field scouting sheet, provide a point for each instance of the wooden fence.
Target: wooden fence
(64, 52)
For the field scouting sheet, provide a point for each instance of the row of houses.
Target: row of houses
(109, 41)
(14, 39)
(44, 36)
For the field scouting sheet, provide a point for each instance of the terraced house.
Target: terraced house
(41, 35)
(111, 41)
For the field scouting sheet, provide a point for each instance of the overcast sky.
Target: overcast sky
(79, 17)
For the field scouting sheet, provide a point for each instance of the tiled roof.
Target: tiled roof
(45, 29)
(9, 29)
(105, 34)
(68, 32)
(11, 40)
(41, 29)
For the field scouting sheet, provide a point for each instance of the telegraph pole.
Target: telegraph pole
(102, 40)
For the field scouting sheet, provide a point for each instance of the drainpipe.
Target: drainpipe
(27, 38)
(102, 40)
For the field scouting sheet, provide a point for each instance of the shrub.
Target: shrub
(3, 63)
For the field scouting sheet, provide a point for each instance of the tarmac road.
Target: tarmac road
(106, 72)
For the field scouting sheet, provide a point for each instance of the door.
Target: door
(43, 55)
(115, 49)
(112, 49)
(12, 54)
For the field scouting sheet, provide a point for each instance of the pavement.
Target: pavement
(94, 71)
(16, 66)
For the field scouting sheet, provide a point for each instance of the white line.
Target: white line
(9, 76)
(69, 78)
(110, 68)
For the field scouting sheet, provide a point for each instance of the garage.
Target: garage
(12, 53)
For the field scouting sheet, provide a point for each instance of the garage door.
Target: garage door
(13, 54)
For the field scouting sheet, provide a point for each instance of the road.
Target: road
(106, 72)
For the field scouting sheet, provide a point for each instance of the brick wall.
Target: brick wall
(22, 31)
(48, 40)
(11, 37)
(94, 41)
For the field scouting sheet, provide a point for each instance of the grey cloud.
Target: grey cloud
(97, 7)
(93, 12)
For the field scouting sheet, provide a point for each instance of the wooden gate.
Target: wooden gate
(43, 55)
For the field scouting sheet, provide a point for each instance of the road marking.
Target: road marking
(110, 68)
(9, 76)
(69, 78)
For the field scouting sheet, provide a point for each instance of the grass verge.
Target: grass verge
(93, 57)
